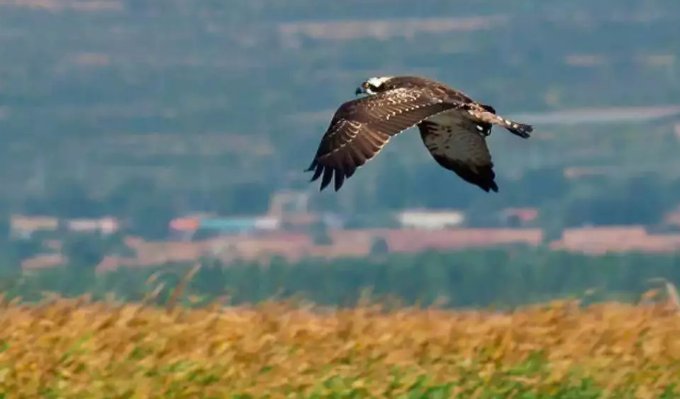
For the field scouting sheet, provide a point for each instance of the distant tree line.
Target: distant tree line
(502, 278)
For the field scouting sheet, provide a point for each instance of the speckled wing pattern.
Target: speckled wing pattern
(458, 143)
(360, 129)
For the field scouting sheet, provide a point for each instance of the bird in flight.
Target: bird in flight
(453, 128)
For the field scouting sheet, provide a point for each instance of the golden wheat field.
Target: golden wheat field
(77, 349)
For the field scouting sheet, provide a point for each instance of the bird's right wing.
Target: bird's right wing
(360, 128)
(458, 143)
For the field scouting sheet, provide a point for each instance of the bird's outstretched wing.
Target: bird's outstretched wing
(458, 143)
(360, 128)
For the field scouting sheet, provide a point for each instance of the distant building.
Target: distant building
(292, 210)
(22, 226)
(206, 226)
(518, 217)
(238, 225)
(299, 221)
(107, 225)
(43, 261)
(289, 202)
(186, 224)
(430, 219)
(183, 228)
(672, 218)
(604, 239)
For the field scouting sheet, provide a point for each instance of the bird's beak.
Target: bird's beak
(358, 91)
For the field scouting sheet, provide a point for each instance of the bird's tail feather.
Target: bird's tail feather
(520, 129)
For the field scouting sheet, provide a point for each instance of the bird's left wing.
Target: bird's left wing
(360, 128)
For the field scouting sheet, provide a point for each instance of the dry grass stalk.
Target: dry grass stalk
(673, 295)
(153, 294)
(671, 292)
(181, 287)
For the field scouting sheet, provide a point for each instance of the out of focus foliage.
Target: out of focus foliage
(502, 278)
(67, 348)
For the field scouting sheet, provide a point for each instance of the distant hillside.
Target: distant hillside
(205, 96)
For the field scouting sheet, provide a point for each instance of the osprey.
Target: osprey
(453, 128)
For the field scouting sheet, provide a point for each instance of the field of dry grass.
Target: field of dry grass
(79, 349)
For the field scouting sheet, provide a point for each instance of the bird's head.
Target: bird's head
(373, 85)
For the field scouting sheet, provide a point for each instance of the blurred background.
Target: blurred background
(141, 136)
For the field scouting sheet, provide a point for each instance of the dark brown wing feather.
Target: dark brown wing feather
(360, 128)
(458, 144)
